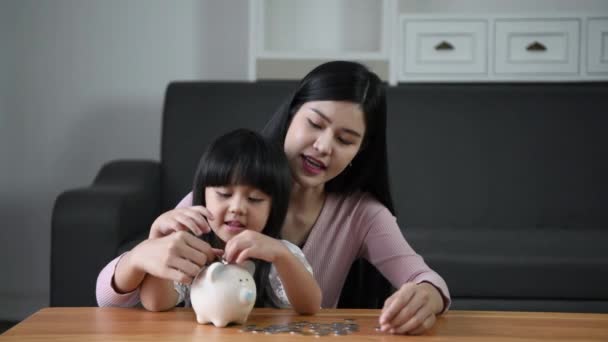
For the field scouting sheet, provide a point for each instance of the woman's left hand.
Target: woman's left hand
(250, 244)
(411, 310)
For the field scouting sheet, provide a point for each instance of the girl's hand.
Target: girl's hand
(178, 256)
(411, 310)
(192, 219)
(250, 244)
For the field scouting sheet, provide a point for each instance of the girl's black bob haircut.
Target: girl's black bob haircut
(244, 157)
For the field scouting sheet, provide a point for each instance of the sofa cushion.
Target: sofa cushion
(518, 262)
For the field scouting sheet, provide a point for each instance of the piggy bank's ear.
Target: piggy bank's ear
(214, 270)
(249, 266)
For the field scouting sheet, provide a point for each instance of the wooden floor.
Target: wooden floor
(5, 325)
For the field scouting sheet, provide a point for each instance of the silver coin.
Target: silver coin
(247, 328)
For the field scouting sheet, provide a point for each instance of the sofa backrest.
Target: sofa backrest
(196, 113)
(500, 155)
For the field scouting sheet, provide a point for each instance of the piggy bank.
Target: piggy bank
(223, 293)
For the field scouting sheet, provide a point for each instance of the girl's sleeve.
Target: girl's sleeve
(276, 290)
(183, 294)
(106, 293)
(386, 248)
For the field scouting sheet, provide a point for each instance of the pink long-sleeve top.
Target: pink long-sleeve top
(347, 228)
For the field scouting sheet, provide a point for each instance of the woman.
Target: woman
(333, 131)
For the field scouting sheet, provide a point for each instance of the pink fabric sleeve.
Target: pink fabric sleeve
(386, 248)
(105, 292)
(186, 201)
(107, 295)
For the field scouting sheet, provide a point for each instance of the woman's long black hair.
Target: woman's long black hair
(244, 157)
(352, 82)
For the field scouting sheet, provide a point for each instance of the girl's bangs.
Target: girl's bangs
(242, 169)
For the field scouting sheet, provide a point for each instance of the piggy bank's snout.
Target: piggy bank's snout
(247, 296)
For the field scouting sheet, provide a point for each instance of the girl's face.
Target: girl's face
(322, 139)
(236, 208)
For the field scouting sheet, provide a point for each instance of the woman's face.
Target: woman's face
(236, 208)
(322, 139)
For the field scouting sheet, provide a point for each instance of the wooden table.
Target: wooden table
(113, 324)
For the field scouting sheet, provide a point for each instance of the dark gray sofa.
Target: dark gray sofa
(503, 188)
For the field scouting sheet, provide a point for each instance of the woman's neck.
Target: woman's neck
(303, 198)
(305, 206)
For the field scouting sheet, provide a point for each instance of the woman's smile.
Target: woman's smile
(312, 166)
(322, 139)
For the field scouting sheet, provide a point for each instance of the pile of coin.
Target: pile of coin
(305, 328)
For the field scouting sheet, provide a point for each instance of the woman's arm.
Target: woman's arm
(127, 275)
(106, 292)
(386, 248)
(119, 281)
(422, 293)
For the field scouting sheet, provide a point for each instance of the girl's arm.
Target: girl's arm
(300, 286)
(158, 294)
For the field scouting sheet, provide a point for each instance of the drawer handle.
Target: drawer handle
(444, 46)
(536, 47)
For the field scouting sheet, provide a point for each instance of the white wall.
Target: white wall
(12, 211)
(83, 83)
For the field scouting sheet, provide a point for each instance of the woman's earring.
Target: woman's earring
(350, 164)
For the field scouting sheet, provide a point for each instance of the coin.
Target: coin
(247, 328)
(306, 328)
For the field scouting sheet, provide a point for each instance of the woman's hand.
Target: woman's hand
(250, 244)
(178, 256)
(192, 219)
(411, 310)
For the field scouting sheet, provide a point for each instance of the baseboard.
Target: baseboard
(17, 306)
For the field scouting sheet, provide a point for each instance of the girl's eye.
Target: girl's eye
(223, 194)
(313, 124)
(256, 199)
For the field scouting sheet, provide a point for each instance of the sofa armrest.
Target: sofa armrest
(89, 224)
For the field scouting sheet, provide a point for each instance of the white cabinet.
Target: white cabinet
(434, 48)
(490, 47)
(597, 47)
(537, 46)
(289, 37)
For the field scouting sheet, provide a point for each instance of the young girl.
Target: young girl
(244, 183)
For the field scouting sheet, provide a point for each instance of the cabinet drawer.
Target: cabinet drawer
(537, 46)
(444, 47)
(597, 45)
